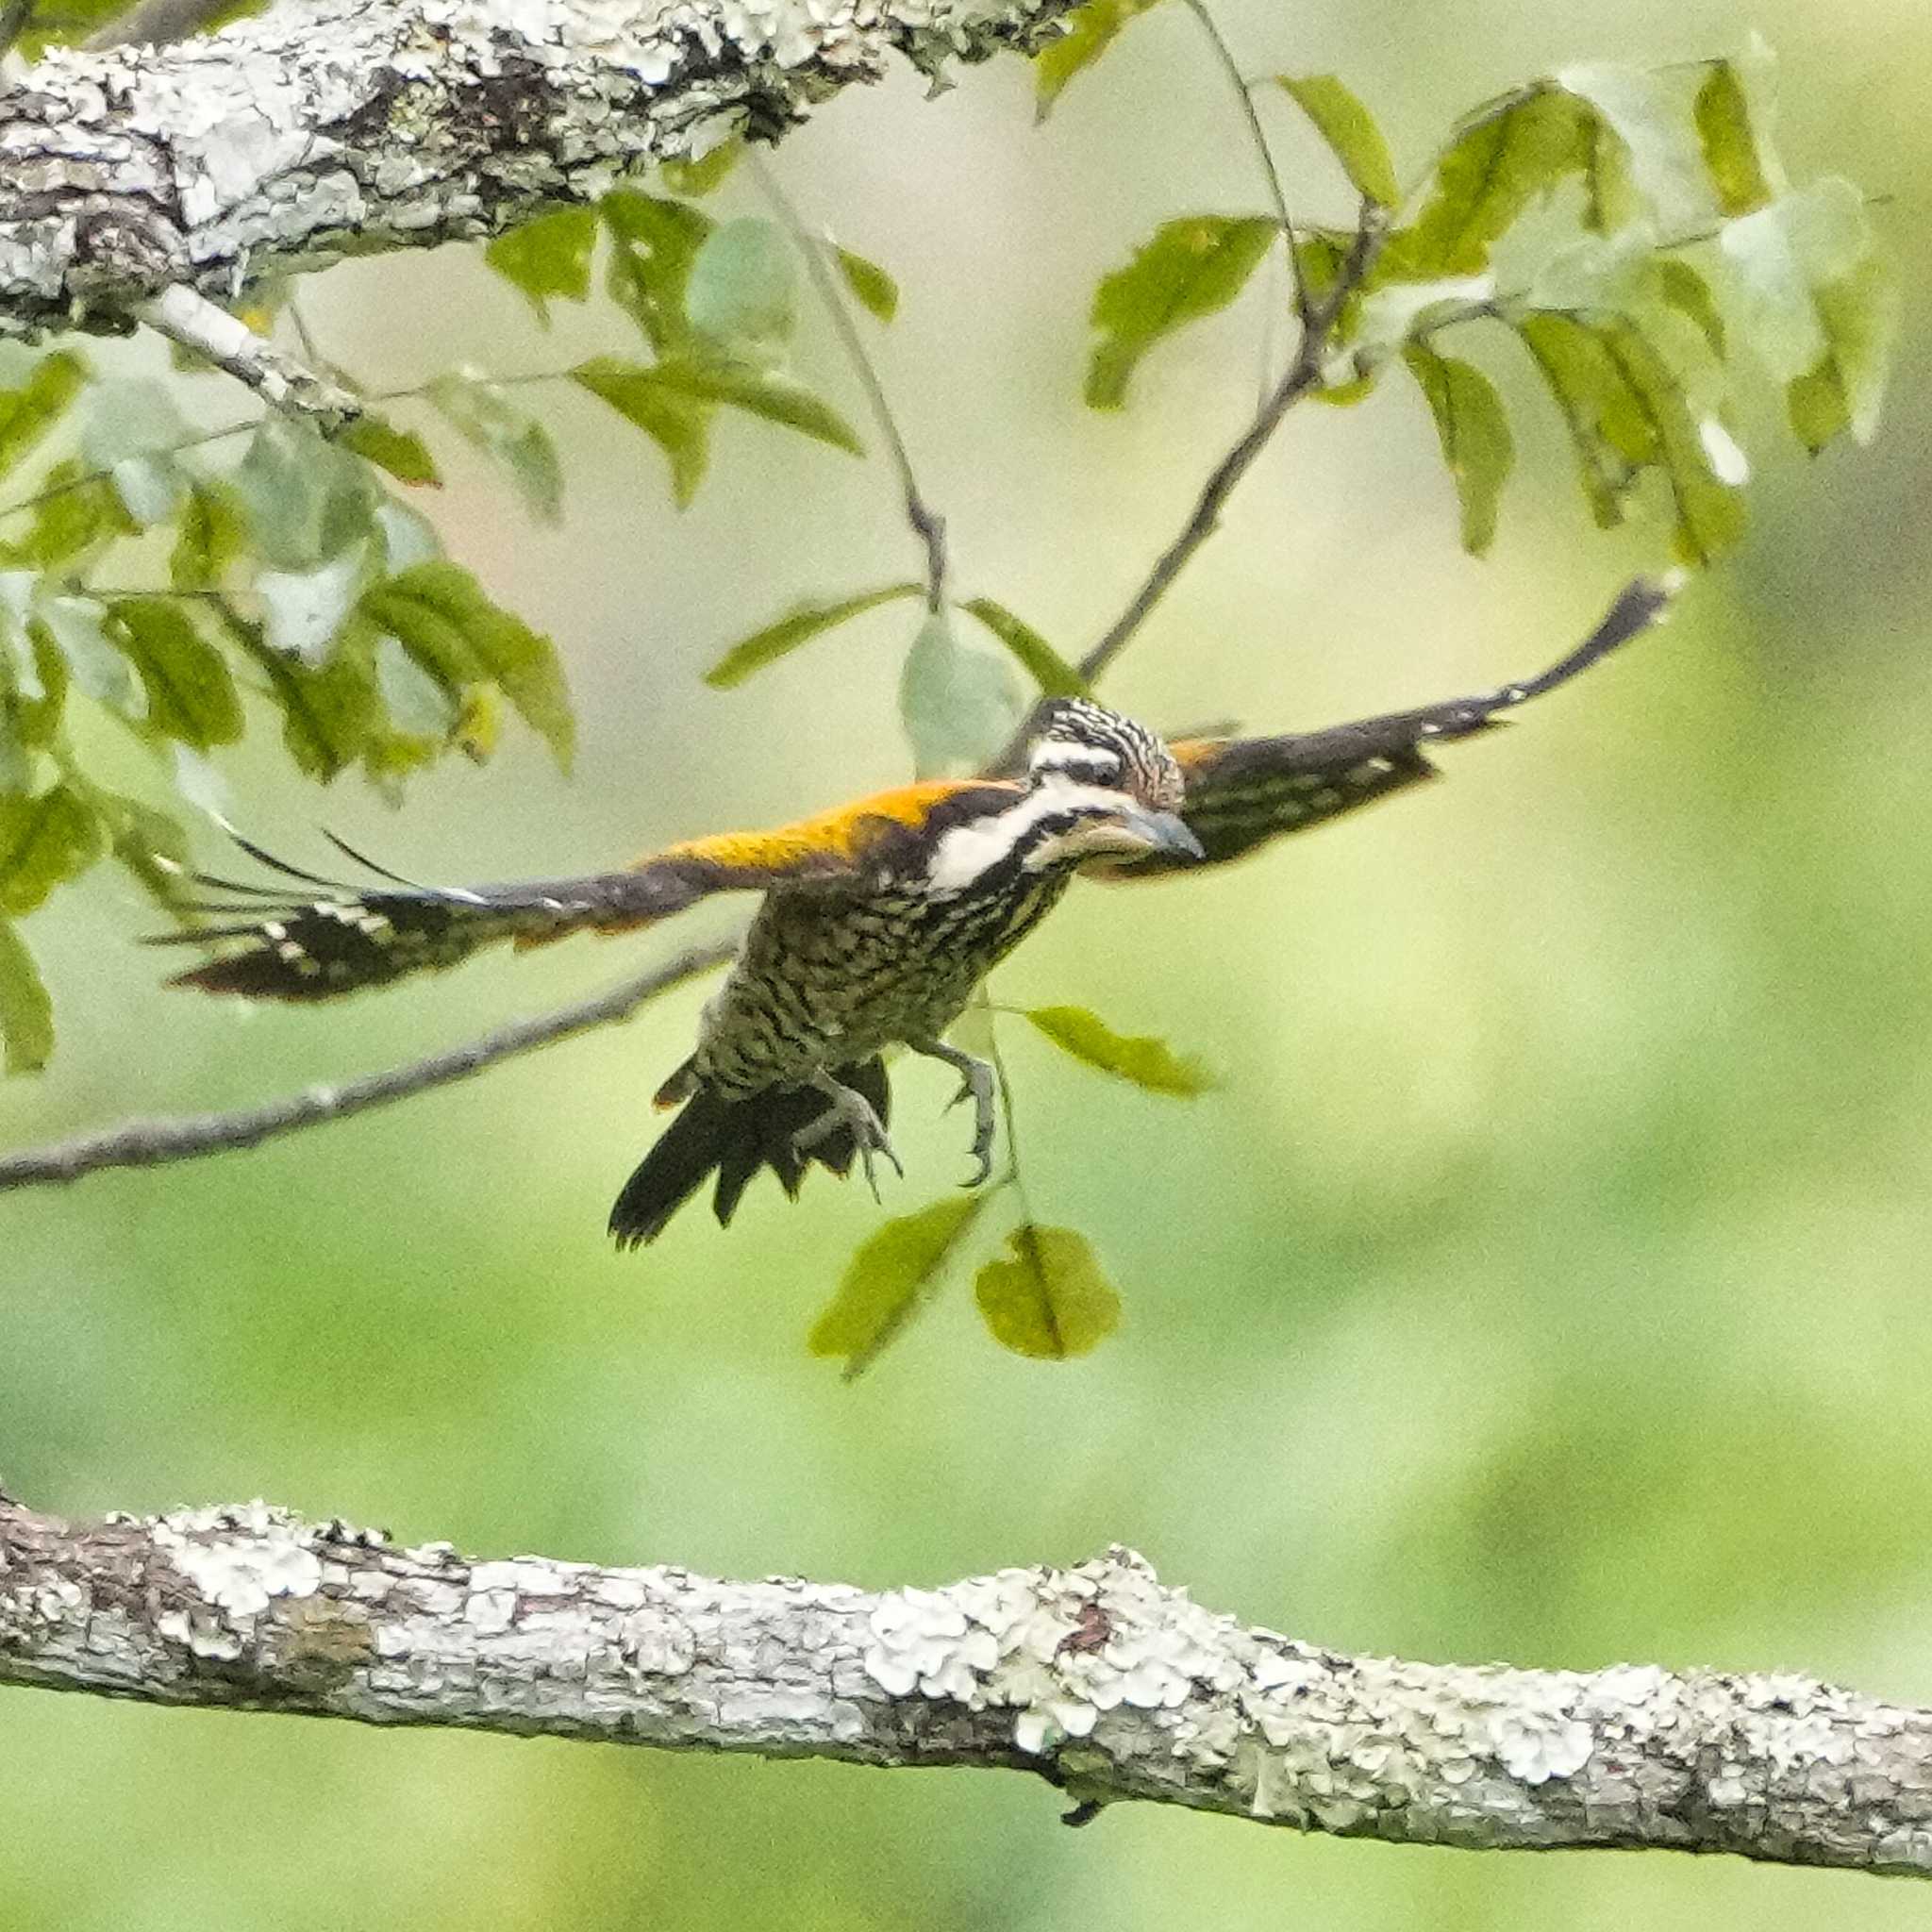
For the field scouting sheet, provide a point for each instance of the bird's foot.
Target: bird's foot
(852, 1110)
(978, 1086)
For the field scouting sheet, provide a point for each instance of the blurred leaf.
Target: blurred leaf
(889, 1280)
(759, 392)
(1191, 268)
(79, 627)
(1819, 306)
(27, 1015)
(875, 292)
(417, 705)
(653, 244)
(679, 425)
(134, 431)
(798, 626)
(330, 716)
(548, 257)
(959, 705)
(407, 535)
(701, 177)
(16, 764)
(1054, 677)
(1659, 135)
(478, 412)
(401, 452)
(1050, 1300)
(1091, 30)
(150, 844)
(304, 611)
(190, 695)
(743, 291)
(1146, 1061)
(74, 511)
(449, 625)
(32, 408)
(44, 842)
(1474, 434)
(209, 538)
(1685, 289)
(201, 784)
(1351, 133)
(302, 498)
(1729, 143)
(1394, 311)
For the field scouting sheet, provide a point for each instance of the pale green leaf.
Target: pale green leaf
(1091, 31)
(1729, 143)
(875, 292)
(302, 611)
(134, 431)
(1142, 1059)
(742, 294)
(208, 538)
(775, 640)
(1684, 288)
(190, 694)
(418, 705)
(1473, 431)
(1644, 110)
(1056, 678)
(302, 498)
(1047, 1297)
(548, 257)
(79, 627)
(32, 407)
(759, 392)
(407, 535)
(1191, 268)
(44, 842)
(479, 412)
(27, 1015)
(401, 452)
(959, 705)
(677, 422)
(889, 1280)
(1351, 133)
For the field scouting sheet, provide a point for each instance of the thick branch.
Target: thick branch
(283, 141)
(186, 1136)
(1098, 1679)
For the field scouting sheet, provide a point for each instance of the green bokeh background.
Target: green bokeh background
(1548, 1282)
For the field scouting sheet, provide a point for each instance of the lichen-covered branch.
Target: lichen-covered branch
(1098, 1679)
(326, 126)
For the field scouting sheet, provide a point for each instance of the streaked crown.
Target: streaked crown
(1088, 744)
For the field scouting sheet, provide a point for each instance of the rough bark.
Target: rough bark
(326, 127)
(1098, 1679)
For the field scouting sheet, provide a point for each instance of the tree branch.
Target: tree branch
(186, 1136)
(227, 342)
(284, 141)
(1097, 1678)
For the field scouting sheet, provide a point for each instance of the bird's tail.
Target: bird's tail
(734, 1140)
(315, 938)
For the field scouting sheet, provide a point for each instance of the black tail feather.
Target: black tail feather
(736, 1139)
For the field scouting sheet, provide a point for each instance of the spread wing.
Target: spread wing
(1244, 792)
(312, 938)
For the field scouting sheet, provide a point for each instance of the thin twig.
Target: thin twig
(927, 525)
(1304, 306)
(283, 381)
(1304, 374)
(153, 1143)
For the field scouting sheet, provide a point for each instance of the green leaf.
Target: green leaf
(417, 706)
(548, 257)
(1729, 143)
(401, 452)
(1689, 293)
(302, 498)
(27, 1015)
(134, 431)
(446, 622)
(653, 244)
(75, 511)
(798, 626)
(1644, 110)
(79, 627)
(44, 842)
(1146, 1061)
(742, 294)
(704, 173)
(190, 695)
(889, 1280)
(304, 612)
(1607, 429)
(1056, 678)
(1351, 133)
(1049, 1300)
(678, 423)
(1191, 268)
(478, 412)
(208, 539)
(149, 844)
(1091, 30)
(1819, 305)
(331, 716)
(28, 411)
(759, 392)
(959, 705)
(1474, 434)
(874, 291)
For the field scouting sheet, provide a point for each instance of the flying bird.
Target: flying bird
(877, 921)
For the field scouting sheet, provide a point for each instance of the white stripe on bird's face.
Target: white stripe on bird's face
(969, 851)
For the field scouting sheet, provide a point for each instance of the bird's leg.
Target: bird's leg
(849, 1108)
(976, 1085)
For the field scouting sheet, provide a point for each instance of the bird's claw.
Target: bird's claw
(850, 1110)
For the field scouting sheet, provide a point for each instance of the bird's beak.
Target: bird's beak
(1139, 833)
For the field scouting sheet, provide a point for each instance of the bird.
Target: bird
(879, 919)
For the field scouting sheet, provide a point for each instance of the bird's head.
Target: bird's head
(1105, 789)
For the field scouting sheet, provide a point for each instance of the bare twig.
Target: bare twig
(153, 1143)
(927, 525)
(1304, 374)
(281, 381)
(1097, 1678)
